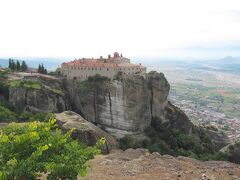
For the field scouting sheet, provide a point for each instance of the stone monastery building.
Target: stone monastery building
(109, 67)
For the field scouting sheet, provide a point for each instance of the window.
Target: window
(95, 68)
(100, 69)
(92, 69)
(88, 68)
(107, 69)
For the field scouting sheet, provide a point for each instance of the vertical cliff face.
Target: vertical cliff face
(124, 106)
(120, 106)
(158, 88)
(48, 96)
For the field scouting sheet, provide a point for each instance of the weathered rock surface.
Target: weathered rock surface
(141, 165)
(233, 150)
(49, 98)
(121, 107)
(126, 106)
(85, 131)
(219, 138)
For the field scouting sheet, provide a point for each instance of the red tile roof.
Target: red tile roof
(95, 63)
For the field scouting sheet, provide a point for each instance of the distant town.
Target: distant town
(207, 114)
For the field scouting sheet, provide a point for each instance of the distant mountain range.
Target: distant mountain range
(230, 60)
(228, 63)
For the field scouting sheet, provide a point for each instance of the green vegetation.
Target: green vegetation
(3, 73)
(57, 91)
(55, 73)
(41, 69)
(30, 150)
(119, 76)
(171, 141)
(25, 83)
(6, 115)
(42, 117)
(4, 90)
(93, 83)
(15, 65)
(97, 78)
(221, 99)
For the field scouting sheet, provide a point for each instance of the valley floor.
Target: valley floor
(138, 164)
(209, 97)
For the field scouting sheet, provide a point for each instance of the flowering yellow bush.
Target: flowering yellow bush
(30, 149)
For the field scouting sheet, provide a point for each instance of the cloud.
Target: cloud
(94, 28)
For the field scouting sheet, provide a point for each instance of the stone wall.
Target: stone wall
(84, 72)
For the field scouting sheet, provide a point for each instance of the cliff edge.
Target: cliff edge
(123, 106)
(127, 105)
(141, 165)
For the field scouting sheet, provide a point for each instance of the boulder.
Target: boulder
(233, 151)
(85, 132)
(219, 138)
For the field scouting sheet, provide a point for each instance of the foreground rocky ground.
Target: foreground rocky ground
(138, 164)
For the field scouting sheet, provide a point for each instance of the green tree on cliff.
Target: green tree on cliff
(18, 66)
(24, 66)
(12, 65)
(41, 69)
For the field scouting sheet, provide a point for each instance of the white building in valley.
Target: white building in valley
(109, 67)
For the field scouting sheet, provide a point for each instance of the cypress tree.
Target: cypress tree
(14, 66)
(9, 63)
(39, 68)
(18, 66)
(24, 66)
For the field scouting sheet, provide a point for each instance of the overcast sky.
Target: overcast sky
(156, 28)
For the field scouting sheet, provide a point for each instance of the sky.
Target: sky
(147, 28)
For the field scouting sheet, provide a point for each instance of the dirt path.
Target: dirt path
(137, 164)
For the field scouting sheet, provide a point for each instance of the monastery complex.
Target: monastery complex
(109, 67)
